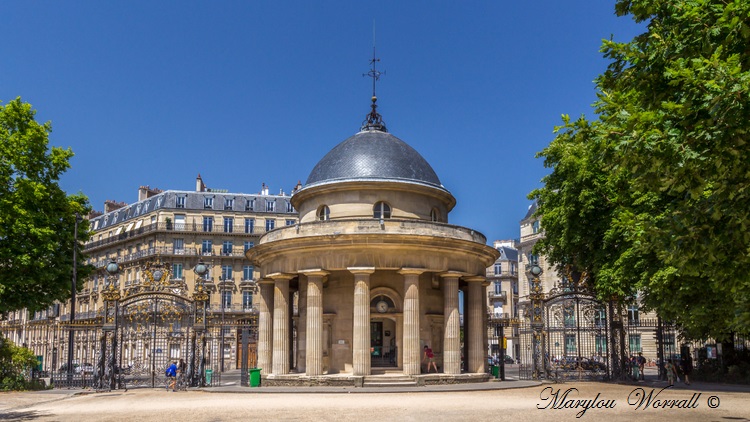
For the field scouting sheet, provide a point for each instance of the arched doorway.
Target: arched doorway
(383, 349)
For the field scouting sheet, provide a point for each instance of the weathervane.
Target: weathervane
(373, 121)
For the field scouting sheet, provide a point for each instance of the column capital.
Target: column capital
(361, 270)
(280, 276)
(265, 280)
(452, 274)
(411, 271)
(314, 272)
(476, 279)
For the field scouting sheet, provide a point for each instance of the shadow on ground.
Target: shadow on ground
(23, 415)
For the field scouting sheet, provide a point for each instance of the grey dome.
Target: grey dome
(373, 154)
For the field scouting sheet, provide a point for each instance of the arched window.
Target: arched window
(381, 210)
(324, 213)
(435, 215)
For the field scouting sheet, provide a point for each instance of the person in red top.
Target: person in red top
(430, 358)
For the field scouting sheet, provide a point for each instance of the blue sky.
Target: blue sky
(245, 92)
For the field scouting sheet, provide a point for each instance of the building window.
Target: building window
(208, 224)
(228, 203)
(381, 210)
(289, 207)
(570, 343)
(634, 342)
(600, 317)
(270, 206)
(601, 344)
(324, 213)
(178, 245)
(228, 224)
(179, 221)
(247, 300)
(248, 245)
(177, 271)
(633, 317)
(569, 316)
(513, 268)
(498, 268)
(249, 225)
(290, 222)
(247, 272)
(533, 259)
(434, 215)
(535, 227)
(226, 299)
(206, 246)
(208, 202)
(249, 204)
(498, 287)
(226, 248)
(270, 225)
(180, 202)
(174, 351)
(226, 272)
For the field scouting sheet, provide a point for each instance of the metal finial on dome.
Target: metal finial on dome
(374, 121)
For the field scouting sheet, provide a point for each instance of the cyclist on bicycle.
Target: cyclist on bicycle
(171, 373)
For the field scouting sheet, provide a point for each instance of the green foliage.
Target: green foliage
(15, 366)
(36, 217)
(653, 196)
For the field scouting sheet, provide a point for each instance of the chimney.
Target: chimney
(199, 186)
(110, 205)
(264, 189)
(298, 187)
(147, 192)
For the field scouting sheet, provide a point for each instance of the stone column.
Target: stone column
(452, 331)
(302, 326)
(280, 323)
(411, 354)
(265, 326)
(361, 321)
(314, 325)
(475, 324)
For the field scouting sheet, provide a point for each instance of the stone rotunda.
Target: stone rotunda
(372, 272)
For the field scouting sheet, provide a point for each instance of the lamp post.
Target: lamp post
(200, 297)
(73, 289)
(537, 321)
(112, 294)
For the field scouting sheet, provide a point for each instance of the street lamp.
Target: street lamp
(537, 323)
(200, 296)
(73, 290)
(112, 294)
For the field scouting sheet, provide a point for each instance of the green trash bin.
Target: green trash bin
(495, 371)
(254, 374)
(209, 374)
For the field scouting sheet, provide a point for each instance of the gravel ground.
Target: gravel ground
(521, 404)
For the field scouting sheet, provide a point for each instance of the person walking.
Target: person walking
(671, 372)
(686, 365)
(171, 374)
(429, 356)
(641, 364)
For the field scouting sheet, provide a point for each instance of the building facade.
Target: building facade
(502, 302)
(156, 242)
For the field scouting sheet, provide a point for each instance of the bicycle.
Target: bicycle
(181, 384)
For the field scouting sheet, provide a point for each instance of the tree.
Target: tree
(16, 363)
(37, 217)
(664, 207)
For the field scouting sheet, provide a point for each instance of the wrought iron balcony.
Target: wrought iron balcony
(234, 308)
(498, 297)
(196, 227)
